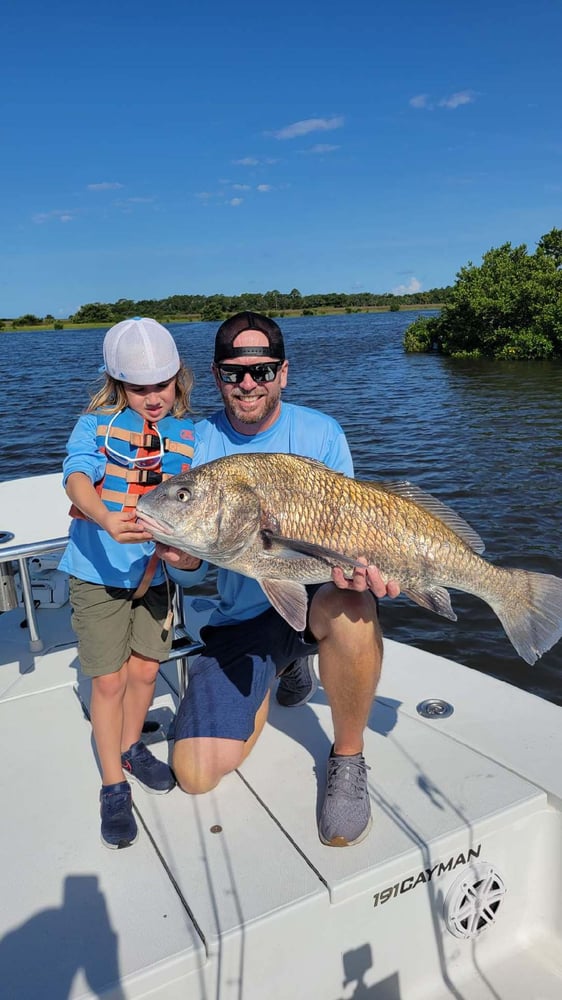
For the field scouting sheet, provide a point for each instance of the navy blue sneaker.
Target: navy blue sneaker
(118, 825)
(297, 683)
(152, 774)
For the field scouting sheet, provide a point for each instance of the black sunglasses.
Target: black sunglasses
(234, 374)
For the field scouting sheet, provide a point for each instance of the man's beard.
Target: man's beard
(269, 404)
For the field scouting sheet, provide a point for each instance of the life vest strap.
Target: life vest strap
(117, 497)
(147, 577)
(148, 441)
(178, 448)
(147, 477)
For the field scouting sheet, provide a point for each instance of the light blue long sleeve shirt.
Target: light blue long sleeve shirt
(92, 554)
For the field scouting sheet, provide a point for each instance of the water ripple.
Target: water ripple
(486, 437)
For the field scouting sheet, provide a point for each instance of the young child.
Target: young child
(134, 434)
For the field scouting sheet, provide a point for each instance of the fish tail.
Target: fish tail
(530, 610)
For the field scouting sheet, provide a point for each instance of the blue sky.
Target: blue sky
(156, 149)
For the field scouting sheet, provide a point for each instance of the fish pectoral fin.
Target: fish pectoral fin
(436, 599)
(291, 545)
(290, 599)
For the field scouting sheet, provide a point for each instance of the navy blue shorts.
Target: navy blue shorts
(229, 681)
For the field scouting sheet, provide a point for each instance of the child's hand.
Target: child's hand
(124, 527)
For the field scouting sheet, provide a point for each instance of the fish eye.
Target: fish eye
(183, 495)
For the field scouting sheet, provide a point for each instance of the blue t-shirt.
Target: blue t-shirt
(298, 430)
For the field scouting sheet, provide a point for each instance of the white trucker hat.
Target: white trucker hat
(140, 351)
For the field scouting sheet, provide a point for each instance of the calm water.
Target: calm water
(484, 437)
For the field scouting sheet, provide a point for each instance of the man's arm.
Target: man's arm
(367, 577)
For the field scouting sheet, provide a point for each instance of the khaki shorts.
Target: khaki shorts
(110, 625)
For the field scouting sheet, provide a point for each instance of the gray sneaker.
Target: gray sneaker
(345, 819)
(298, 683)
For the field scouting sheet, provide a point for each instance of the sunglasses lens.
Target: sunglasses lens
(234, 374)
(116, 456)
(147, 463)
(266, 373)
(231, 377)
(153, 442)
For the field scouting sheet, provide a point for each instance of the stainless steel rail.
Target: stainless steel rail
(184, 646)
(20, 554)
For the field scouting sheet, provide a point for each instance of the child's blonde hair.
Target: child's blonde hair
(111, 397)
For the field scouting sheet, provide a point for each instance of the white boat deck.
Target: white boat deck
(231, 895)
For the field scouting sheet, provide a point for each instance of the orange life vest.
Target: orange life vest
(133, 437)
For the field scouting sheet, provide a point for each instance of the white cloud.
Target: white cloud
(458, 99)
(420, 101)
(57, 215)
(236, 201)
(264, 187)
(240, 187)
(253, 161)
(322, 147)
(105, 186)
(309, 125)
(413, 286)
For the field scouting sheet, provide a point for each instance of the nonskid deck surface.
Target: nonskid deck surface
(218, 887)
(230, 895)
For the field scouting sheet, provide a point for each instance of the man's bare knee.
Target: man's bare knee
(195, 784)
(200, 764)
(332, 608)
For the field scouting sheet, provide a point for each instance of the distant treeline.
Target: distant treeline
(216, 307)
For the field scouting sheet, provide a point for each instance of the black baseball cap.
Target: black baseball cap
(229, 330)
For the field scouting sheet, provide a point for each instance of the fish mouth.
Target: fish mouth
(156, 526)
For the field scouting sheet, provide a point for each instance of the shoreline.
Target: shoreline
(67, 324)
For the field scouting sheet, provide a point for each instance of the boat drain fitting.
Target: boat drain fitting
(434, 708)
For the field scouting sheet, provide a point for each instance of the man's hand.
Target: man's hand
(177, 558)
(365, 578)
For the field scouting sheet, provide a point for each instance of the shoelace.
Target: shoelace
(296, 678)
(117, 802)
(144, 757)
(347, 775)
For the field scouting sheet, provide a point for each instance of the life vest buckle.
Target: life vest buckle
(151, 442)
(148, 477)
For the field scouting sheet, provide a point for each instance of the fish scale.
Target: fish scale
(286, 520)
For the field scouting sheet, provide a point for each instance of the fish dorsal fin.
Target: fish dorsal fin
(290, 599)
(434, 506)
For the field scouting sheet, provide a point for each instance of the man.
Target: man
(247, 643)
